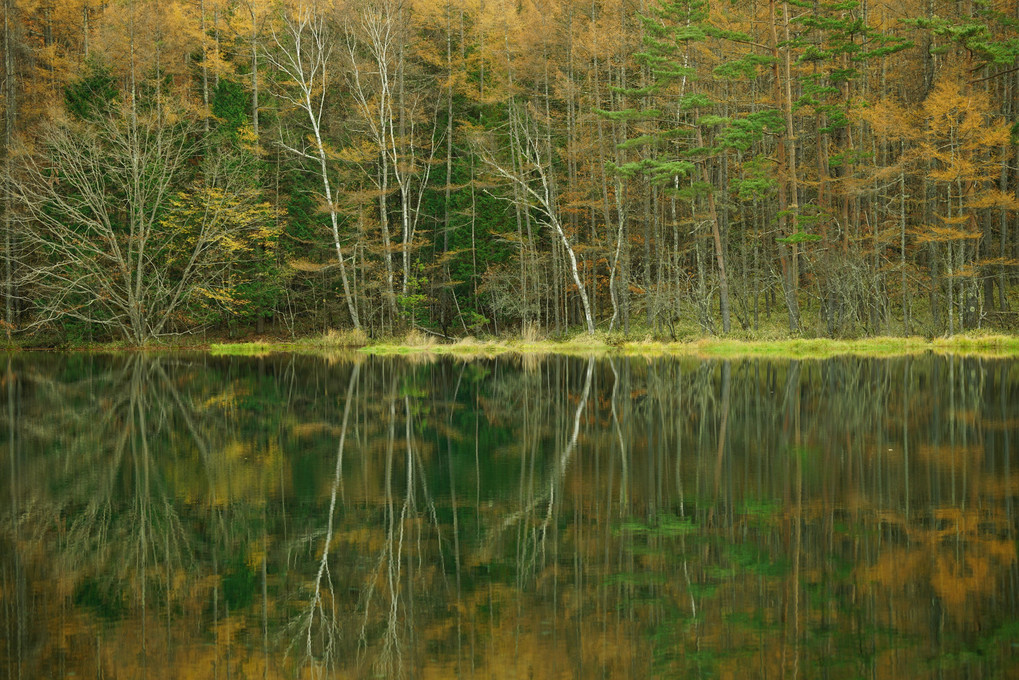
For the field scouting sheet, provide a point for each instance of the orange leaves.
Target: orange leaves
(958, 576)
(956, 144)
(961, 134)
(889, 120)
(956, 581)
(994, 198)
(955, 135)
(895, 568)
(953, 551)
(951, 232)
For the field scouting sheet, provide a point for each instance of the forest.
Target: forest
(674, 168)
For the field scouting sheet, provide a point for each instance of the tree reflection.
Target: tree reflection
(322, 590)
(174, 516)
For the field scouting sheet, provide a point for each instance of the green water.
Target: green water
(287, 516)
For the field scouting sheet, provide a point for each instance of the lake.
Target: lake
(192, 516)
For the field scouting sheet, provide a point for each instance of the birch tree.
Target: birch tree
(301, 51)
(390, 113)
(531, 174)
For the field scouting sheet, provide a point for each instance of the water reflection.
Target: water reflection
(276, 517)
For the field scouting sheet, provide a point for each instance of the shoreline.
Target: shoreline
(794, 348)
(997, 345)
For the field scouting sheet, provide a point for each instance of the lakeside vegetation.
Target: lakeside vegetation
(583, 344)
(774, 342)
(990, 345)
(415, 342)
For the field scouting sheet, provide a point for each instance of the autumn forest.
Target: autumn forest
(670, 167)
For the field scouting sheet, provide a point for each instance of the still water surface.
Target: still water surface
(287, 516)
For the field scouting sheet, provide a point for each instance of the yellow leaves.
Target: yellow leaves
(994, 198)
(961, 133)
(953, 167)
(248, 138)
(237, 237)
(998, 262)
(948, 456)
(965, 271)
(255, 557)
(895, 568)
(946, 101)
(889, 120)
(221, 401)
(959, 576)
(362, 538)
(237, 451)
(955, 142)
(936, 234)
(217, 294)
(306, 266)
(429, 52)
(152, 29)
(956, 552)
(364, 152)
(303, 430)
(977, 128)
(233, 245)
(233, 219)
(955, 581)
(240, 470)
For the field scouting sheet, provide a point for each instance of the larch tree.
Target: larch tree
(965, 145)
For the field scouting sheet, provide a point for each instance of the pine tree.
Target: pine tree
(684, 135)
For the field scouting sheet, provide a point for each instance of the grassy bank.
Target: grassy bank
(985, 344)
(417, 343)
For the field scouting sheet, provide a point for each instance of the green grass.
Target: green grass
(417, 343)
(794, 348)
(797, 348)
(1005, 344)
(250, 349)
(803, 348)
(331, 341)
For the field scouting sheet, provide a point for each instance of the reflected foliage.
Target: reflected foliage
(284, 516)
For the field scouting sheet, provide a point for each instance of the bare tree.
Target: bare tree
(10, 118)
(98, 244)
(531, 174)
(322, 592)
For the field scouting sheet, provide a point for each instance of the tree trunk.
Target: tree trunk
(10, 110)
(782, 162)
(716, 235)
